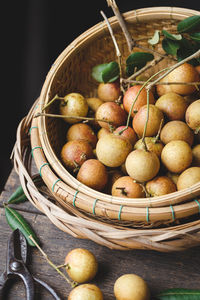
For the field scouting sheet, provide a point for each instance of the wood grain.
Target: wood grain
(160, 270)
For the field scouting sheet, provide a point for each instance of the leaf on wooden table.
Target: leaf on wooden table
(16, 220)
(18, 196)
(179, 294)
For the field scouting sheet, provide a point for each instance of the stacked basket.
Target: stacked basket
(166, 223)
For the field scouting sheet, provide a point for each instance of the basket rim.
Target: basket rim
(141, 15)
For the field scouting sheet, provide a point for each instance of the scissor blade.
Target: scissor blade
(17, 247)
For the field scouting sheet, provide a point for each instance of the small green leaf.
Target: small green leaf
(179, 294)
(170, 46)
(18, 196)
(107, 72)
(173, 37)
(195, 36)
(155, 38)
(137, 60)
(186, 49)
(189, 24)
(15, 220)
(111, 72)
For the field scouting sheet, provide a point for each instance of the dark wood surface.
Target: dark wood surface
(160, 270)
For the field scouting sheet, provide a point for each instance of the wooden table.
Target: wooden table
(160, 270)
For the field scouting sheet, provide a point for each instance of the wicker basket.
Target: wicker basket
(166, 223)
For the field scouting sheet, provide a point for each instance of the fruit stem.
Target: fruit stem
(56, 97)
(147, 119)
(71, 117)
(129, 39)
(72, 283)
(158, 134)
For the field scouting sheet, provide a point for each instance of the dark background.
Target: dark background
(34, 33)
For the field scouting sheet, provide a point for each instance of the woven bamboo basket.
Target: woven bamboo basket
(166, 223)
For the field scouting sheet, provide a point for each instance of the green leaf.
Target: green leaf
(137, 60)
(189, 24)
(170, 46)
(18, 196)
(173, 37)
(111, 72)
(155, 38)
(195, 37)
(186, 49)
(15, 220)
(107, 72)
(179, 294)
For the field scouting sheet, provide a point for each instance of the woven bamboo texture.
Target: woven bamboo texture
(166, 223)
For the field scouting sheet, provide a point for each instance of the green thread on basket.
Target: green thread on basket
(45, 164)
(147, 216)
(120, 211)
(53, 186)
(74, 199)
(32, 128)
(173, 214)
(94, 205)
(198, 204)
(36, 147)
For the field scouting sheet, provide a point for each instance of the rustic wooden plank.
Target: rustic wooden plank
(160, 270)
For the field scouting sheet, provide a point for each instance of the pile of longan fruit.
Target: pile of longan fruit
(105, 156)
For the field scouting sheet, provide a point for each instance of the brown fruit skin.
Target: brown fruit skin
(82, 265)
(94, 103)
(76, 152)
(126, 187)
(129, 133)
(153, 125)
(74, 104)
(161, 185)
(131, 94)
(196, 156)
(102, 132)
(184, 73)
(113, 175)
(152, 145)
(82, 131)
(111, 112)
(173, 106)
(162, 89)
(93, 174)
(176, 130)
(176, 156)
(86, 292)
(188, 178)
(112, 150)
(108, 91)
(142, 165)
(173, 176)
(192, 115)
(131, 287)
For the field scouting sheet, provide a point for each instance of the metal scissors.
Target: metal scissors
(16, 267)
